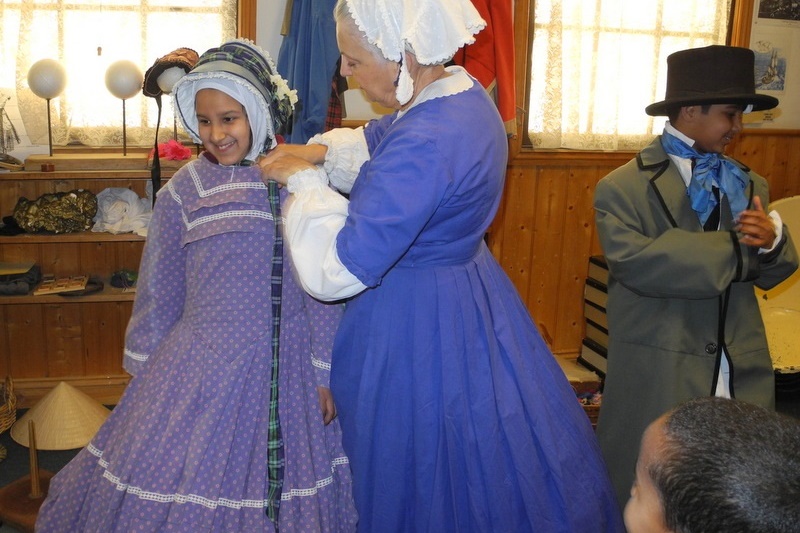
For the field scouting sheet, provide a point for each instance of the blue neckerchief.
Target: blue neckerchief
(709, 167)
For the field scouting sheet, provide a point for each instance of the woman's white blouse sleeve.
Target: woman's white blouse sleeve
(314, 215)
(347, 151)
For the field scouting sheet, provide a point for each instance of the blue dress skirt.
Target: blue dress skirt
(455, 414)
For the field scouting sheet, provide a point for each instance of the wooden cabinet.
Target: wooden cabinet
(46, 339)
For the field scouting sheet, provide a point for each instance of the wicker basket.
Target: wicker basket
(8, 411)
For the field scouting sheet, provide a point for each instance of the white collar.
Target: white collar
(669, 128)
(458, 82)
(684, 165)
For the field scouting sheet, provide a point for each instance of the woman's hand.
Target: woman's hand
(313, 153)
(279, 165)
(326, 404)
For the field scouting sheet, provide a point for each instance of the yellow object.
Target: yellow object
(780, 306)
(65, 418)
(15, 268)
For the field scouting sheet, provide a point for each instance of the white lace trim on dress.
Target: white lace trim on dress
(211, 503)
(205, 193)
(135, 355)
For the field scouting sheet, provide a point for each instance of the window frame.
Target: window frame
(520, 145)
(246, 19)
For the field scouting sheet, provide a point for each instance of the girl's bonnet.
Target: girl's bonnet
(246, 73)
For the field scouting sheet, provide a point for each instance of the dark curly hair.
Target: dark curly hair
(729, 467)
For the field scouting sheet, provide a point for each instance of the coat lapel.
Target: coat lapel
(670, 189)
(668, 186)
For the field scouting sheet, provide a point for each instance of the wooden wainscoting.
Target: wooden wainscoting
(544, 234)
(775, 154)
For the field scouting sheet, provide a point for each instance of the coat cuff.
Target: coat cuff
(749, 264)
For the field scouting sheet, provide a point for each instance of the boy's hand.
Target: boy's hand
(756, 227)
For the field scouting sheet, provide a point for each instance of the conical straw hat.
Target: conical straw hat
(65, 418)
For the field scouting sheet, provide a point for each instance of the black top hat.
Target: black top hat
(711, 75)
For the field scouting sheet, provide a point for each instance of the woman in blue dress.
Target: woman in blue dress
(455, 414)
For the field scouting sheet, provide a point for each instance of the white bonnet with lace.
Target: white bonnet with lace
(433, 29)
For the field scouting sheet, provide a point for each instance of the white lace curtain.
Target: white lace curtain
(86, 36)
(597, 64)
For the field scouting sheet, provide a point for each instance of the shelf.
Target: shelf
(106, 388)
(141, 174)
(100, 175)
(49, 338)
(80, 236)
(108, 294)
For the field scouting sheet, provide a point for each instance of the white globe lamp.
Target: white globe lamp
(47, 79)
(124, 80)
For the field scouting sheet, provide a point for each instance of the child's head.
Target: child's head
(234, 102)
(716, 465)
(708, 91)
(712, 127)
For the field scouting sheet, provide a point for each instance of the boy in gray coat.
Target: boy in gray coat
(687, 234)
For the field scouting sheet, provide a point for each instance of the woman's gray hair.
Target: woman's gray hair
(341, 10)
(342, 15)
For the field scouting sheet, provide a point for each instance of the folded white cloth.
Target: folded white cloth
(120, 210)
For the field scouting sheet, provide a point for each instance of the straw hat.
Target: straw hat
(65, 418)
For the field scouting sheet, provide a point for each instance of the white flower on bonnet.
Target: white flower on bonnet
(433, 29)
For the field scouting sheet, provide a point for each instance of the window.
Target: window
(86, 36)
(595, 66)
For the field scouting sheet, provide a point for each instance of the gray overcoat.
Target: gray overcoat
(676, 296)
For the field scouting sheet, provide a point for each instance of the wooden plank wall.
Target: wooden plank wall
(774, 155)
(544, 232)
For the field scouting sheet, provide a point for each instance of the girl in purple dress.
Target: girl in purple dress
(456, 416)
(220, 429)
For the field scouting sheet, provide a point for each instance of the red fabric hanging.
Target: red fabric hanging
(491, 57)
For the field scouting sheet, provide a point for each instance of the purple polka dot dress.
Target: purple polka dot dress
(185, 450)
